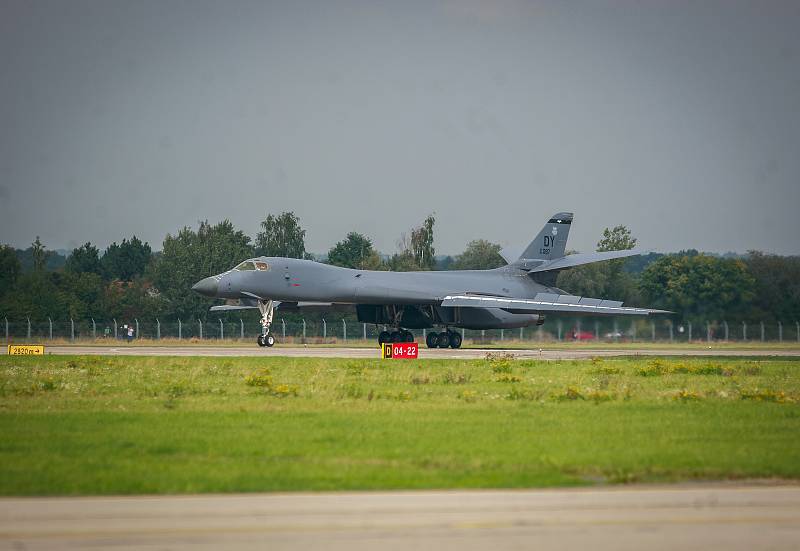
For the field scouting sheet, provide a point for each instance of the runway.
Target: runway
(666, 517)
(424, 353)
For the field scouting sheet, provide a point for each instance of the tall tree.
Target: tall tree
(84, 259)
(479, 255)
(192, 255)
(39, 255)
(355, 251)
(126, 260)
(422, 244)
(777, 286)
(281, 236)
(10, 268)
(699, 288)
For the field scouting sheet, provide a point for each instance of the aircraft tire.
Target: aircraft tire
(260, 341)
(455, 339)
(432, 339)
(384, 337)
(269, 340)
(444, 339)
(408, 336)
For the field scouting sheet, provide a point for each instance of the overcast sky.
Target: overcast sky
(678, 119)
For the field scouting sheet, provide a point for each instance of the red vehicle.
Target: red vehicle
(582, 335)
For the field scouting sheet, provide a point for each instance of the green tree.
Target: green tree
(192, 255)
(281, 236)
(777, 286)
(607, 279)
(84, 259)
(355, 251)
(479, 255)
(699, 288)
(39, 254)
(10, 268)
(422, 244)
(126, 260)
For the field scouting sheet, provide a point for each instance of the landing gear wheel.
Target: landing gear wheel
(269, 340)
(397, 336)
(261, 341)
(444, 339)
(384, 337)
(455, 340)
(432, 340)
(408, 336)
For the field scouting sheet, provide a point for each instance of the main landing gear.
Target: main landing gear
(266, 307)
(445, 339)
(395, 336)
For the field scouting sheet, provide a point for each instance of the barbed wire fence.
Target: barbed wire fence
(342, 330)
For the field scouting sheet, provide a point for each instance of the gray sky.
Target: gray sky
(678, 119)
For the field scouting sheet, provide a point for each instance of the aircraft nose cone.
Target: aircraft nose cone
(207, 287)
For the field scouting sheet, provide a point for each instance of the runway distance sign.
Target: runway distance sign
(25, 349)
(400, 350)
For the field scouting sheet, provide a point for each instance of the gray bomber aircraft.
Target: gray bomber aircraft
(519, 294)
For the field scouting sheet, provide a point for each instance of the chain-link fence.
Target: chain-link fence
(338, 330)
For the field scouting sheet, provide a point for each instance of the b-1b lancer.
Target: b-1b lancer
(519, 294)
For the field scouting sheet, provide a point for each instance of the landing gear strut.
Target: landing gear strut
(267, 308)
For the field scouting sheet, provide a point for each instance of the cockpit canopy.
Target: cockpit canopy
(250, 265)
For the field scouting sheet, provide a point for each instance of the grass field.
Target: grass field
(114, 425)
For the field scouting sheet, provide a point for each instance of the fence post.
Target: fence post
(762, 331)
(690, 331)
(633, 330)
(50, 327)
(158, 330)
(708, 331)
(653, 331)
(137, 327)
(559, 326)
(200, 322)
(483, 335)
(324, 329)
(521, 334)
(780, 332)
(180, 329)
(283, 327)
(725, 325)
(241, 329)
(304, 329)
(364, 331)
(71, 330)
(344, 329)
(221, 330)
(29, 329)
(115, 328)
(94, 329)
(502, 334)
(463, 335)
(744, 330)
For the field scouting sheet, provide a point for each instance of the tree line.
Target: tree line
(129, 280)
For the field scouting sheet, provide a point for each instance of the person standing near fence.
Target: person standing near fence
(130, 333)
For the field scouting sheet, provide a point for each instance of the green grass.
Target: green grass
(117, 425)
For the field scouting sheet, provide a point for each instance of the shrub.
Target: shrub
(654, 368)
(500, 362)
(261, 378)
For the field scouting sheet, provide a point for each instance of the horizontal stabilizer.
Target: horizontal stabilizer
(572, 260)
(546, 302)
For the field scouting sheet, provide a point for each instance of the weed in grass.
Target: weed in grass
(350, 390)
(654, 368)
(420, 380)
(506, 378)
(572, 393)
(766, 395)
(355, 368)
(451, 378)
(284, 390)
(523, 394)
(261, 378)
(469, 396)
(607, 370)
(685, 395)
(500, 362)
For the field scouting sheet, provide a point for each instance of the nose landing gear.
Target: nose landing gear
(267, 308)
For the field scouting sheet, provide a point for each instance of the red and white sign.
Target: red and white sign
(400, 350)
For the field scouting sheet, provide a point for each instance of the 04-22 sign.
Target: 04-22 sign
(400, 350)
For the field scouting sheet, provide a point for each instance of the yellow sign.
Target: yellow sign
(386, 350)
(25, 349)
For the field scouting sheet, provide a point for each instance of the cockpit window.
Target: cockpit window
(245, 266)
(262, 266)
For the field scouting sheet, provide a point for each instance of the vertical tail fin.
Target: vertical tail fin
(551, 241)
